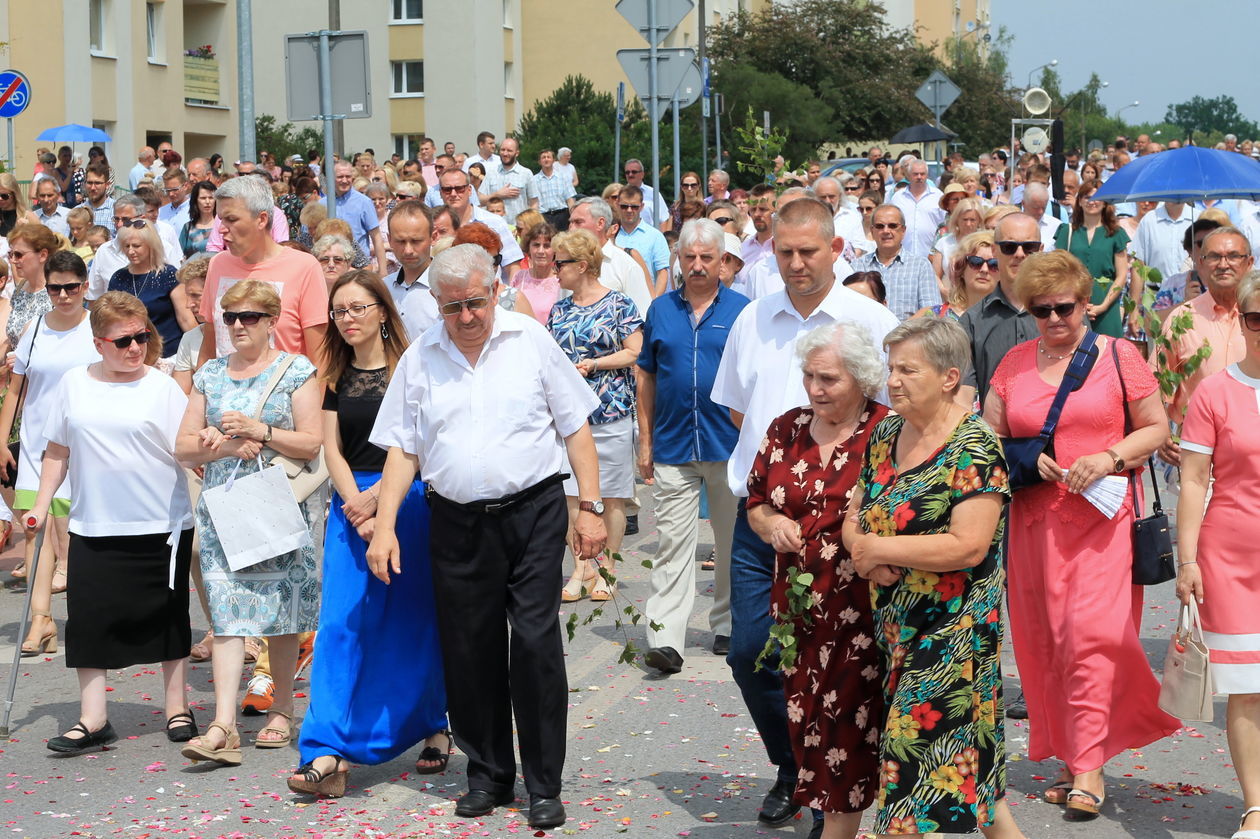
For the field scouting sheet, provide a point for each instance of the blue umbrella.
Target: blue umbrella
(74, 133)
(1186, 174)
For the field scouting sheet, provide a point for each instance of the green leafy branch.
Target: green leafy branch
(1164, 337)
(762, 149)
(621, 607)
(782, 641)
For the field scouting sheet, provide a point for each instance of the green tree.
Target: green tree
(981, 117)
(804, 121)
(284, 139)
(1217, 115)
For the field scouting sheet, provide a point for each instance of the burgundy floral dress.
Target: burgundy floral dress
(834, 701)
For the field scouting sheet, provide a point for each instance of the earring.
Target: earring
(384, 332)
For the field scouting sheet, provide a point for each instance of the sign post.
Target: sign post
(938, 92)
(621, 118)
(15, 95)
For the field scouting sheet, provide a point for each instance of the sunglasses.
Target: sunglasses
(1251, 320)
(5, 196)
(1009, 248)
(723, 219)
(1041, 312)
(472, 304)
(556, 263)
(629, 206)
(246, 318)
(853, 189)
(122, 343)
(976, 261)
(865, 210)
(634, 171)
(691, 186)
(332, 260)
(451, 190)
(885, 225)
(62, 288)
(135, 222)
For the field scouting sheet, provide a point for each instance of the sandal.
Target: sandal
(279, 742)
(310, 781)
(203, 650)
(253, 649)
(19, 573)
(1246, 834)
(1058, 793)
(184, 731)
(577, 587)
(59, 579)
(710, 564)
(229, 754)
(431, 754)
(603, 592)
(46, 643)
(1082, 811)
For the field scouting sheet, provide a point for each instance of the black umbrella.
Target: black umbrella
(922, 133)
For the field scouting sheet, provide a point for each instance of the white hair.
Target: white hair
(598, 208)
(253, 192)
(454, 268)
(852, 344)
(325, 242)
(702, 231)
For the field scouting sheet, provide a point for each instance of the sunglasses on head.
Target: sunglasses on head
(247, 318)
(1009, 248)
(976, 261)
(1251, 320)
(1042, 311)
(63, 288)
(140, 338)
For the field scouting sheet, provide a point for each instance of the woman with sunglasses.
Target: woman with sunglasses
(194, 235)
(147, 277)
(964, 219)
(868, 201)
(13, 210)
(972, 275)
(1097, 240)
(875, 181)
(376, 682)
(1074, 611)
(30, 246)
(279, 597)
(58, 340)
(131, 528)
(689, 190)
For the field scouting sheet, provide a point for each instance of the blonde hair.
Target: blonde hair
(116, 306)
(996, 214)
(333, 227)
(963, 206)
(580, 244)
(312, 214)
(967, 246)
(254, 292)
(194, 270)
(8, 183)
(147, 232)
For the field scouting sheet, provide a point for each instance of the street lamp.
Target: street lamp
(1132, 104)
(1054, 62)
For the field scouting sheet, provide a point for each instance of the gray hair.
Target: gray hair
(598, 209)
(797, 192)
(1248, 288)
(323, 243)
(1227, 230)
(453, 268)
(1037, 192)
(721, 176)
(135, 202)
(852, 344)
(376, 187)
(831, 180)
(944, 342)
(254, 193)
(563, 151)
(842, 177)
(703, 231)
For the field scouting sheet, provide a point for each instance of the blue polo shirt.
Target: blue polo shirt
(684, 355)
(651, 245)
(359, 212)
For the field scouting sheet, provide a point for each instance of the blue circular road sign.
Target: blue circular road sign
(15, 93)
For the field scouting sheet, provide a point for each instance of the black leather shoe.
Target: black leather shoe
(721, 644)
(479, 802)
(632, 525)
(545, 812)
(1017, 708)
(664, 659)
(777, 807)
(181, 727)
(97, 739)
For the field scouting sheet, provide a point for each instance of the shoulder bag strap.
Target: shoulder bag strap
(272, 382)
(22, 390)
(1078, 369)
(1157, 506)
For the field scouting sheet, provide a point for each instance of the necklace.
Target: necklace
(1041, 348)
(144, 282)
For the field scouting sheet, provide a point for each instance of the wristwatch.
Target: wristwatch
(596, 507)
(1116, 461)
(267, 437)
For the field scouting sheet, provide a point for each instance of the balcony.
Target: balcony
(201, 80)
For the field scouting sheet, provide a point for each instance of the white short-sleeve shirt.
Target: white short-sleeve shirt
(487, 430)
(621, 273)
(124, 479)
(415, 303)
(760, 376)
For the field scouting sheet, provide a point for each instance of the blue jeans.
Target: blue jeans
(752, 570)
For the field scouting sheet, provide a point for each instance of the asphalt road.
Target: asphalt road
(647, 756)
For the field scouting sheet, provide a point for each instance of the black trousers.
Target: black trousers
(492, 571)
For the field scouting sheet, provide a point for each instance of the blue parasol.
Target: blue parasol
(73, 133)
(1186, 174)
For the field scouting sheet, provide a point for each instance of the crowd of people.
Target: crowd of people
(473, 368)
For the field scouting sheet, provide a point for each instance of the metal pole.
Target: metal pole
(704, 92)
(339, 126)
(326, 108)
(245, 78)
(677, 154)
(654, 108)
(717, 131)
(12, 164)
(21, 629)
(621, 115)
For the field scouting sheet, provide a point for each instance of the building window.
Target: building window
(509, 86)
(408, 78)
(153, 30)
(96, 25)
(507, 14)
(407, 146)
(407, 11)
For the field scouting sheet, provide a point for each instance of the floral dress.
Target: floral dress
(279, 596)
(942, 756)
(834, 701)
(594, 331)
(26, 306)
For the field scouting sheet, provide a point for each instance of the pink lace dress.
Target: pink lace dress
(1074, 612)
(541, 294)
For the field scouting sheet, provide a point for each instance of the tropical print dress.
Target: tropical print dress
(942, 756)
(594, 331)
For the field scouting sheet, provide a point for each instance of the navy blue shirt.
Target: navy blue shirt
(683, 355)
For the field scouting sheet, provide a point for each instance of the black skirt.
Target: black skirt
(120, 610)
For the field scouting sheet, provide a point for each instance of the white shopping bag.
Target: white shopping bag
(256, 516)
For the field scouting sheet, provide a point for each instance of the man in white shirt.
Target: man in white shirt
(109, 256)
(144, 166)
(510, 181)
(48, 207)
(1160, 237)
(760, 245)
(764, 278)
(654, 209)
(456, 187)
(757, 381)
(619, 271)
(920, 205)
(485, 152)
(410, 237)
(177, 187)
(719, 187)
(498, 521)
(1036, 199)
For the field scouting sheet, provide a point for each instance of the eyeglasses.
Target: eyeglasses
(95, 183)
(885, 225)
(63, 288)
(246, 318)
(634, 171)
(854, 188)
(1251, 320)
(132, 222)
(1218, 258)
(630, 206)
(16, 254)
(556, 263)
(1042, 312)
(865, 210)
(5, 196)
(976, 261)
(452, 190)
(1009, 248)
(356, 311)
(122, 343)
(173, 190)
(332, 260)
(723, 219)
(472, 304)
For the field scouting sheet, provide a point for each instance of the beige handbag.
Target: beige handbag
(1187, 689)
(305, 476)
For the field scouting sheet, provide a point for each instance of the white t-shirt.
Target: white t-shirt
(621, 273)
(124, 480)
(55, 353)
(189, 350)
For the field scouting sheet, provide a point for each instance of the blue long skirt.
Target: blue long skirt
(376, 681)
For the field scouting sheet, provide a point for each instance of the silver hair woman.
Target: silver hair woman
(797, 497)
(335, 254)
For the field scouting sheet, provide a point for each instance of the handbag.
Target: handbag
(246, 534)
(1022, 452)
(305, 476)
(15, 448)
(1153, 561)
(1186, 691)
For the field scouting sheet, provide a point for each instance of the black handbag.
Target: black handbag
(1022, 452)
(1153, 561)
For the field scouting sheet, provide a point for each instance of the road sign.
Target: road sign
(15, 93)
(351, 84)
(669, 13)
(938, 93)
(673, 67)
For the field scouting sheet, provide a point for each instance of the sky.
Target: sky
(1157, 52)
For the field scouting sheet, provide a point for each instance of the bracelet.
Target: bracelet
(1184, 564)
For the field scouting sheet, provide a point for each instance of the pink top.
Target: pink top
(541, 294)
(298, 279)
(279, 230)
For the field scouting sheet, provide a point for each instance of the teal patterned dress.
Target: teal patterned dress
(942, 756)
(279, 596)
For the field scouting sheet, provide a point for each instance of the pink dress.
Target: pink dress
(1074, 612)
(541, 294)
(1221, 422)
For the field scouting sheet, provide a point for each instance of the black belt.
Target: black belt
(496, 506)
